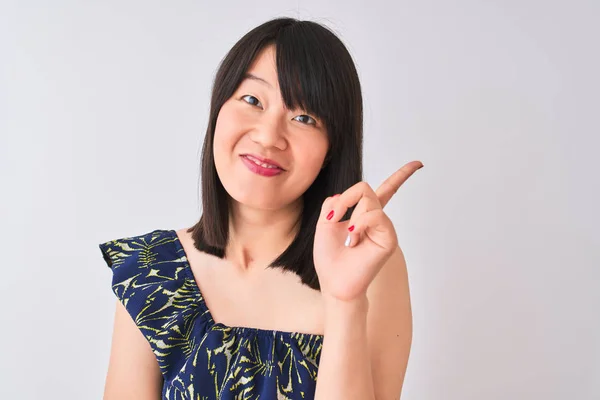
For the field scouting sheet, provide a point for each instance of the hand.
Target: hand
(345, 272)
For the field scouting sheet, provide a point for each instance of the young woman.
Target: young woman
(291, 285)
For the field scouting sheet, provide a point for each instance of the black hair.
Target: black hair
(317, 74)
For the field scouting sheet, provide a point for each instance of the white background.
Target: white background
(103, 109)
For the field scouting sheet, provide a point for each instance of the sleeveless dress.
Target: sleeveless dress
(199, 358)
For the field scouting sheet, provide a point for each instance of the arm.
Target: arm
(367, 342)
(133, 371)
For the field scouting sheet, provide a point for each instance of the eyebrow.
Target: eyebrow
(256, 78)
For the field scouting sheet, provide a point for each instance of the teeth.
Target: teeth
(264, 165)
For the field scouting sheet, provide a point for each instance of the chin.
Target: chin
(259, 204)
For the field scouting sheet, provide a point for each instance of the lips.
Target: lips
(262, 160)
(260, 170)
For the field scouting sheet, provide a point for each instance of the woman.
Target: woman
(292, 284)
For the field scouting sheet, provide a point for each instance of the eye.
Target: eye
(306, 116)
(252, 97)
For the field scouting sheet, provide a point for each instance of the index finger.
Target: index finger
(390, 186)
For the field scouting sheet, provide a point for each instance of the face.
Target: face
(255, 121)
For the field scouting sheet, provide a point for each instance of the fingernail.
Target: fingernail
(347, 241)
(351, 228)
(330, 215)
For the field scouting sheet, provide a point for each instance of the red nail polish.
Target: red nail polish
(330, 215)
(351, 228)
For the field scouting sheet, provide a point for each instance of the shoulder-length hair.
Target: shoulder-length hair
(316, 73)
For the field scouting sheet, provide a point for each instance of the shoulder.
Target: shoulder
(390, 284)
(389, 325)
(151, 280)
(151, 263)
(130, 248)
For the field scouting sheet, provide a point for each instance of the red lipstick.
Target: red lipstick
(250, 161)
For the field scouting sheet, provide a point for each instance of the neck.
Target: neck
(258, 236)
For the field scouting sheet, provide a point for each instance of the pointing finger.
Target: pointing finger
(391, 185)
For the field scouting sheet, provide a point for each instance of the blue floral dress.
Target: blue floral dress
(200, 359)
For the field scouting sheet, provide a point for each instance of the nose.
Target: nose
(270, 132)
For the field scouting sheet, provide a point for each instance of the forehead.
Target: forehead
(264, 66)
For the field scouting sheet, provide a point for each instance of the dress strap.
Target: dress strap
(150, 280)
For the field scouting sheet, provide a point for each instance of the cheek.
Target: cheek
(225, 132)
(309, 156)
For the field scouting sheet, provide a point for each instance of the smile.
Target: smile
(259, 168)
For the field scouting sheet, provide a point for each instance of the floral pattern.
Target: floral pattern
(200, 359)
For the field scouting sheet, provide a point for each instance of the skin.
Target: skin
(262, 125)
(364, 307)
(368, 318)
(259, 124)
